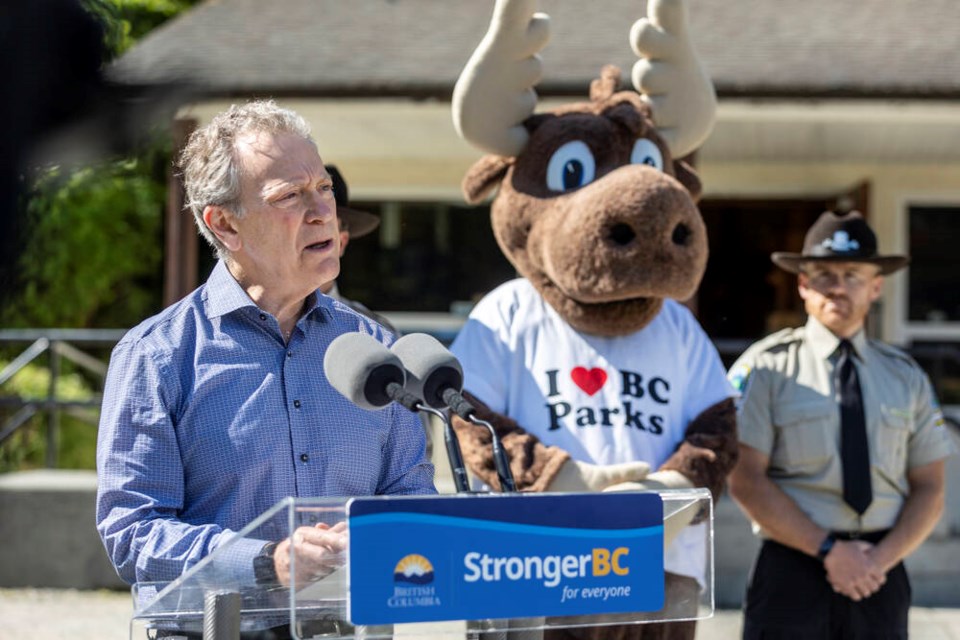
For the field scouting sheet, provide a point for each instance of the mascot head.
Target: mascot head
(594, 206)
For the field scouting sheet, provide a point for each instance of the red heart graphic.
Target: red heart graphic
(590, 380)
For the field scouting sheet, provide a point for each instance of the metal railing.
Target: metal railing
(59, 344)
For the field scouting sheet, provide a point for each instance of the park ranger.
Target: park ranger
(842, 449)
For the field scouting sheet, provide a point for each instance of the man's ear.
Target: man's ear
(220, 221)
(802, 285)
(876, 288)
(344, 241)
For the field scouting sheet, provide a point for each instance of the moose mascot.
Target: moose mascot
(594, 377)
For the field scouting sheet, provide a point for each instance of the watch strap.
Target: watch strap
(264, 569)
(826, 546)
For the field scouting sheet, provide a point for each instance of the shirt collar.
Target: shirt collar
(224, 295)
(824, 343)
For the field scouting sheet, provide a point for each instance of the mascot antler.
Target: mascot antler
(494, 93)
(670, 77)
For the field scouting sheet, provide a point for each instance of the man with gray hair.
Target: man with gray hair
(217, 408)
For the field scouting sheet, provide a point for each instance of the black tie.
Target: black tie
(854, 450)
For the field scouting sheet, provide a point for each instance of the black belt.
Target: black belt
(869, 536)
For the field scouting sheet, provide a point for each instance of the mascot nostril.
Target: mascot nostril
(681, 234)
(622, 234)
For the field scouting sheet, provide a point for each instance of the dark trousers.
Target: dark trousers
(789, 598)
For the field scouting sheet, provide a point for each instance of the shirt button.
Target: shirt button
(304, 457)
(289, 354)
(263, 316)
(296, 403)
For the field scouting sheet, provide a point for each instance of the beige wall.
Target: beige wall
(394, 149)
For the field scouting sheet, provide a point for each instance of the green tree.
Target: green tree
(93, 252)
(126, 21)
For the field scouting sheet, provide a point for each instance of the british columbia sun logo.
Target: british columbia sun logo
(414, 569)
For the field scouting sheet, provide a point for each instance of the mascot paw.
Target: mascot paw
(576, 477)
(674, 520)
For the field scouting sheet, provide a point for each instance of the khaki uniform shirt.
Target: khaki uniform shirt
(789, 410)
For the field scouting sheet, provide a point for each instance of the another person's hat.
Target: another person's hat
(839, 238)
(359, 223)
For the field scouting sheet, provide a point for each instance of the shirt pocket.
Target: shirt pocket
(890, 452)
(804, 435)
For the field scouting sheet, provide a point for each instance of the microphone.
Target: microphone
(435, 374)
(366, 373)
(440, 374)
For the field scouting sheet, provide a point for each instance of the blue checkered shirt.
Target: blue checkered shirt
(209, 419)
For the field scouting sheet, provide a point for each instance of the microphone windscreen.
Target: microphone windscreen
(431, 368)
(360, 368)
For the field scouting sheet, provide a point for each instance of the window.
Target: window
(425, 257)
(934, 272)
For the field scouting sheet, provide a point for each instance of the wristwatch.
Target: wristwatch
(826, 546)
(264, 570)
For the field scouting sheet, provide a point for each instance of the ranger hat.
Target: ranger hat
(359, 223)
(839, 238)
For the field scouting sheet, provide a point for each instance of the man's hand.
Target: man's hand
(318, 551)
(852, 571)
(576, 476)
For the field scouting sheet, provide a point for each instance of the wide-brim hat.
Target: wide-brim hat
(838, 237)
(359, 223)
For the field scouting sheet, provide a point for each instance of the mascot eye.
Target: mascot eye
(571, 167)
(645, 152)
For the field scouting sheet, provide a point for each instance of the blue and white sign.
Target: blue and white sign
(504, 556)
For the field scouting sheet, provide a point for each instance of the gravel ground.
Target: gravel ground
(69, 614)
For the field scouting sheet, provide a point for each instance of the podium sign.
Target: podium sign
(504, 556)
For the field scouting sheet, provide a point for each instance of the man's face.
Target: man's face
(839, 294)
(287, 241)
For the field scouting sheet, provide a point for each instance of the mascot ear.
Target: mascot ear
(688, 178)
(483, 177)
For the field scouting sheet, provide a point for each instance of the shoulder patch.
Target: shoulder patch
(939, 420)
(739, 376)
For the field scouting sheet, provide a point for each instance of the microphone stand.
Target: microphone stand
(454, 454)
(507, 483)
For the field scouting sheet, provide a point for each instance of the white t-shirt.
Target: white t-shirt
(604, 400)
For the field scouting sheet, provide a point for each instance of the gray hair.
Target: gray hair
(210, 164)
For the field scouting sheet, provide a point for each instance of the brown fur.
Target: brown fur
(709, 449)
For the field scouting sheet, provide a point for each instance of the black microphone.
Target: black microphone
(366, 373)
(435, 374)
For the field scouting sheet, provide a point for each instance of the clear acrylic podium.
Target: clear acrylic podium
(215, 601)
